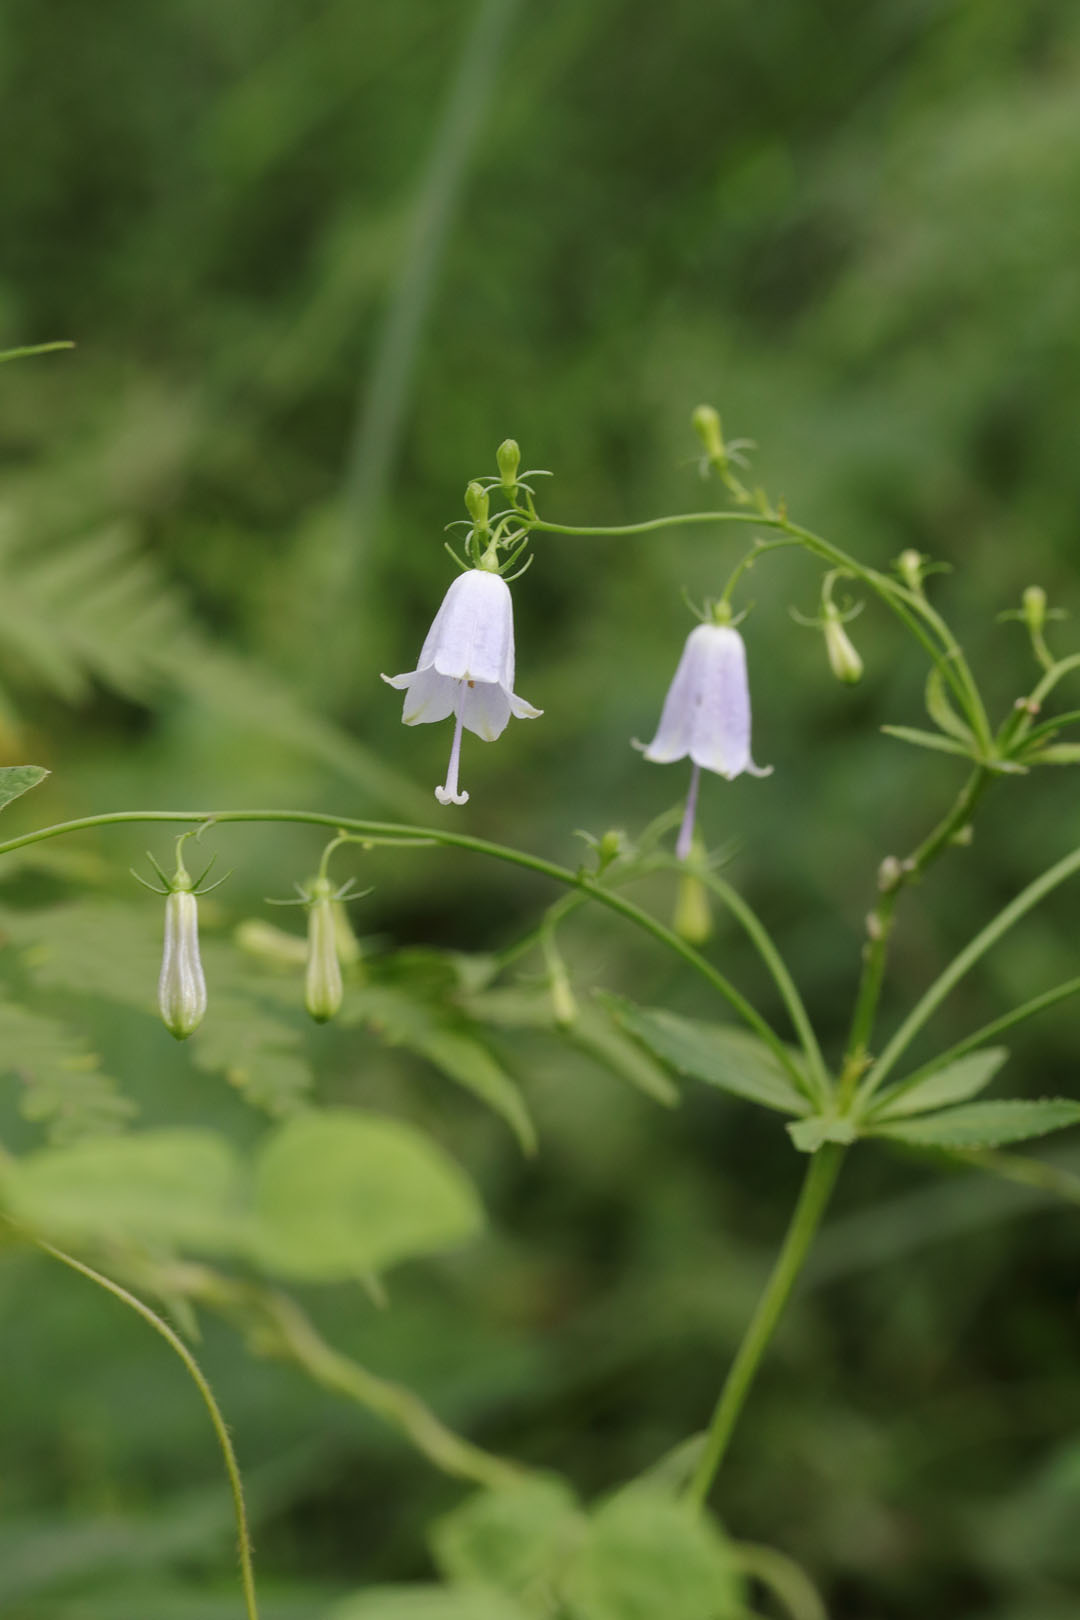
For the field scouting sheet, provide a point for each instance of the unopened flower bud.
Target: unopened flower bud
(476, 504)
(693, 915)
(181, 987)
(323, 988)
(563, 1005)
(844, 661)
(909, 565)
(508, 460)
(1034, 602)
(611, 846)
(706, 424)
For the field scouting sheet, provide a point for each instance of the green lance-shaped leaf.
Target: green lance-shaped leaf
(942, 712)
(928, 739)
(513, 1541)
(425, 1603)
(649, 1554)
(18, 779)
(340, 1194)
(401, 1019)
(173, 1188)
(955, 1083)
(983, 1125)
(724, 1057)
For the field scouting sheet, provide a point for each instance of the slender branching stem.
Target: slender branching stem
(198, 1377)
(821, 1174)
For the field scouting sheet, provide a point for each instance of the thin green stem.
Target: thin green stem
(880, 922)
(479, 846)
(173, 1340)
(980, 1037)
(762, 941)
(821, 1174)
(923, 1010)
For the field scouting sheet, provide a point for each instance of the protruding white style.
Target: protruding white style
(466, 669)
(181, 987)
(706, 714)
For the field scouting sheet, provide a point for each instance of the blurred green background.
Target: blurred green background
(318, 260)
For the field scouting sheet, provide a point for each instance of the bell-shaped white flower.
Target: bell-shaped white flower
(466, 669)
(706, 714)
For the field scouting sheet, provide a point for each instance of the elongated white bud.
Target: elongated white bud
(323, 988)
(181, 987)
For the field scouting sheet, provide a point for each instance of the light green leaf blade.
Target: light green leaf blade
(596, 1033)
(512, 1541)
(927, 739)
(407, 1020)
(339, 1194)
(34, 348)
(18, 779)
(425, 1603)
(984, 1125)
(955, 1083)
(170, 1187)
(649, 1555)
(721, 1056)
(941, 710)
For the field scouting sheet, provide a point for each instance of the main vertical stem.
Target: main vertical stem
(820, 1179)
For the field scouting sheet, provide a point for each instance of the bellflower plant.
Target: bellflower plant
(706, 713)
(339, 1193)
(466, 669)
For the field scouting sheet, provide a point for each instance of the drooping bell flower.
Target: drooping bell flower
(466, 669)
(706, 714)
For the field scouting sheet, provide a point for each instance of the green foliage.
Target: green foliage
(955, 1083)
(62, 1085)
(425, 1603)
(331, 1195)
(338, 1195)
(18, 779)
(515, 1542)
(984, 1125)
(725, 1057)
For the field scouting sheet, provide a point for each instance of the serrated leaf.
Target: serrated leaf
(720, 1056)
(425, 1603)
(513, 1541)
(171, 1187)
(401, 1019)
(955, 1083)
(927, 739)
(18, 779)
(339, 1194)
(649, 1555)
(984, 1125)
(941, 710)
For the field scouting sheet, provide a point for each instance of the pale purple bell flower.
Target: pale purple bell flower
(706, 714)
(466, 669)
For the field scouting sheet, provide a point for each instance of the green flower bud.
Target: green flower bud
(909, 565)
(476, 504)
(563, 1005)
(693, 915)
(508, 460)
(706, 424)
(323, 988)
(181, 987)
(271, 945)
(1034, 603)
(844, 661)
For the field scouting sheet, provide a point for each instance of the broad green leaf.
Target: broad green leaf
(927, 739)
(955, 1083)
(169, 1187)
(401, 1019)
(941, 710)
(512, 1540)
(19, 779)
(425, 1603)
(650, 1556)
(338, 1194)
(729, 1058)
(984, 1125)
